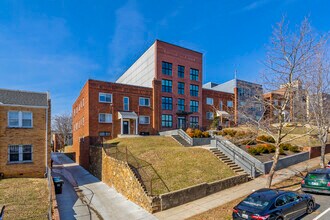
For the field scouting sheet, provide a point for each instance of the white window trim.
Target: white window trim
(124, 103)
(20, 119)
(146, 117)
(102, 93)
(20, 153)
(221, 105)
(144, 98)
(105, 122)
(211, 101)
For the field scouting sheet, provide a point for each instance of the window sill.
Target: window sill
(19, 162)
(19, 127)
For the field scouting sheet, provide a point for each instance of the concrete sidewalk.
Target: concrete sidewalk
(105, 200)
(217, 199)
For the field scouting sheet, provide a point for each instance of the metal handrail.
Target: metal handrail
(185, 136)
(237, 153)
(141, 167)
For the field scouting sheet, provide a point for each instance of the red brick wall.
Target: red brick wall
(184, 57)
(217, 98)
(316, 151)
(92, 107)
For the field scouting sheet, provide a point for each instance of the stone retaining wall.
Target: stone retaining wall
(182, 196)
(117, 174)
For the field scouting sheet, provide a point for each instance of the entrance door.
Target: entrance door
(125, 127)
(182, 122)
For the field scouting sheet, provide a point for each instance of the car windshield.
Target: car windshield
(318, 176)
(256, 202)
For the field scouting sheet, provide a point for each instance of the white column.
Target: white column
(136, 126)
(121, 125)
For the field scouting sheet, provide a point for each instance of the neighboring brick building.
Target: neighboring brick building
(25, 119)
(244, 94)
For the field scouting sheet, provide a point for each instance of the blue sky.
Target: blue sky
(57, 45)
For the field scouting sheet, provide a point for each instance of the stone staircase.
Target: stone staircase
(221, 156)
(180, 140)
(139, 178)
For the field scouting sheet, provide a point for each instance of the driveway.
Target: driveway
(105, 200)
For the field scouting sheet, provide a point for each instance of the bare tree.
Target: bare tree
(317, 83)
(62, 125)
(289, 56)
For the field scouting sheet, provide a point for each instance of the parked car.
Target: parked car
(317, 181)
(274, 204)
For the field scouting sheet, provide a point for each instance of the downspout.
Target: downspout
(46, 145)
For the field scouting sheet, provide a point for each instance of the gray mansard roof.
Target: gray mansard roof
(17, 97)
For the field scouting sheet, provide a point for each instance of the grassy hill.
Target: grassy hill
(178, 166)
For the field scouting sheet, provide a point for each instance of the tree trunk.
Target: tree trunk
(322, 155)
(272, 170)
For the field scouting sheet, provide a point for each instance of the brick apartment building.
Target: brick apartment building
(24, 133)
(162, 90)
(244, 94)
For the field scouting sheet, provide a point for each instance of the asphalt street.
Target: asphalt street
(322, 210)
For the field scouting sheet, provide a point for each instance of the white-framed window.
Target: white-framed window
(209, 101)
(20, 153)
(19, 119)
(126, 103)
(105, 97)
(144, 119)
(209, 115)
(105, 118)
(144, 101)
(221, 106)
(230, 104)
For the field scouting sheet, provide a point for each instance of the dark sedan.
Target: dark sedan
(274, 204)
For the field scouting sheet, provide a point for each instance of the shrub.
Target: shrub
(198, 133)
(230, 132)
(294, 148)
(262, 149)
(282, 152)
(285, 146)
(205, 134)
(271, 148)
(190, 132)
(248, 141)
(266, 138)
(240, 134)
(253, 151)
(215, 122)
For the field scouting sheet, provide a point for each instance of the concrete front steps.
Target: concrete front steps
(221, 156)
(180, 140)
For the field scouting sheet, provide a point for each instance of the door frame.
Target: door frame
(129, 125)
(184, 119)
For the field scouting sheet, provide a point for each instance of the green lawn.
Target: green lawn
(178, 166)
(25, 198)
